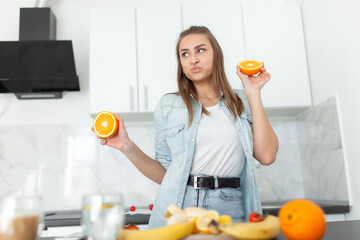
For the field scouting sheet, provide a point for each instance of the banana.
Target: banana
(194, 212)
(173, 209)
(267, 229)
(170, 232)
(176, 218)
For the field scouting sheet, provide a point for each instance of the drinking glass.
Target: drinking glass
(21, 218)
(102, 216)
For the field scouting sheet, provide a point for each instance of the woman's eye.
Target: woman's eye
(185, 54)
(201, 50)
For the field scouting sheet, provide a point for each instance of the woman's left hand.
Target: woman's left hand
(253, 83)
(265, 140)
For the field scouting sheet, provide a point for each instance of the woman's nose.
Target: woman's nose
(194, 59)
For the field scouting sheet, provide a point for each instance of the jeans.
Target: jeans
(224, 200)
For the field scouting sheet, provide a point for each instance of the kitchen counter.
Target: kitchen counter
(344, 230)
(329, 207)
(73, 217)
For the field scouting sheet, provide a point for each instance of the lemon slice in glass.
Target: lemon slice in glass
(103, 206)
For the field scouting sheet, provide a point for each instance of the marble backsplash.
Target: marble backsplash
(322, 152)
(310, 162)
(64, 162)
(283, 179)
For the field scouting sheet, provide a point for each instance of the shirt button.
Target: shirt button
(178, 204)
(189, 161)
(192, 140)
(184, 182)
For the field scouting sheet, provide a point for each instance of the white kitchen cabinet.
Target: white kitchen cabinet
(133, 59)
(274, 35)
(112, 61)
(225, 22)
(158, 28)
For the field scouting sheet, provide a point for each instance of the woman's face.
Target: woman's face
(196, 58)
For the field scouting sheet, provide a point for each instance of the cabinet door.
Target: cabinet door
(158, 28)
(274, 35)
(225, 23)
(112, 60)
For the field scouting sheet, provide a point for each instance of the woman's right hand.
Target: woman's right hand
(120, 140)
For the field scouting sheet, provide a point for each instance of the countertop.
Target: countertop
(329, 207)
(73, 217)
(345, 230)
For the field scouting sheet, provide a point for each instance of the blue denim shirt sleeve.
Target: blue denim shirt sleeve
(162, 151)
(242, 95)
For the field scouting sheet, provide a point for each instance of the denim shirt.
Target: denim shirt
(175, 147)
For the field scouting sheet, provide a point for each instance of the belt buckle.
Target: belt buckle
(196, 183)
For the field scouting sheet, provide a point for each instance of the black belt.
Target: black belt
(208, 182)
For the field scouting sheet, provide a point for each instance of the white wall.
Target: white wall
(332, 40)
(73, 107)
(332, 36)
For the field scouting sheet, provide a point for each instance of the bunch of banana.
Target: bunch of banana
(170, 232)
(177, 227)
(176, 214)
(182, 222)
(209, 221)
(266, 229)
(205, 221)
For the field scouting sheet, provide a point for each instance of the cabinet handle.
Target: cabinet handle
(132, 105)
(146, 98)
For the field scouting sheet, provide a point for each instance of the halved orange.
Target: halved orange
(105, 124)
(250, 67)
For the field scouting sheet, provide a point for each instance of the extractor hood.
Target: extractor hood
(37, 66)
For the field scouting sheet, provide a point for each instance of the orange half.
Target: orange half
(250, 67)
(105, 124)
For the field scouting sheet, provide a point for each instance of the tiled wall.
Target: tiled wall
(322, 152)
(310, 161)
(283, 179)
(65, 162)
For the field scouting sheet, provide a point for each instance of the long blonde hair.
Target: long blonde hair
(219, 79)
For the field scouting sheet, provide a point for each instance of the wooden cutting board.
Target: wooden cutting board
(220, 236)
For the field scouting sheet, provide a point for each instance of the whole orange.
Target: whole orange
(302, 219)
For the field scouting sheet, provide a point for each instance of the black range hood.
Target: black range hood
(37, 66)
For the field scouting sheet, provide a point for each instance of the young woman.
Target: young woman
(206, 135)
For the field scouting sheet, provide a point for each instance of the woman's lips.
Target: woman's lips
(196, 69)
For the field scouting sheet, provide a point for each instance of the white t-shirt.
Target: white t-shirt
(218, 150)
